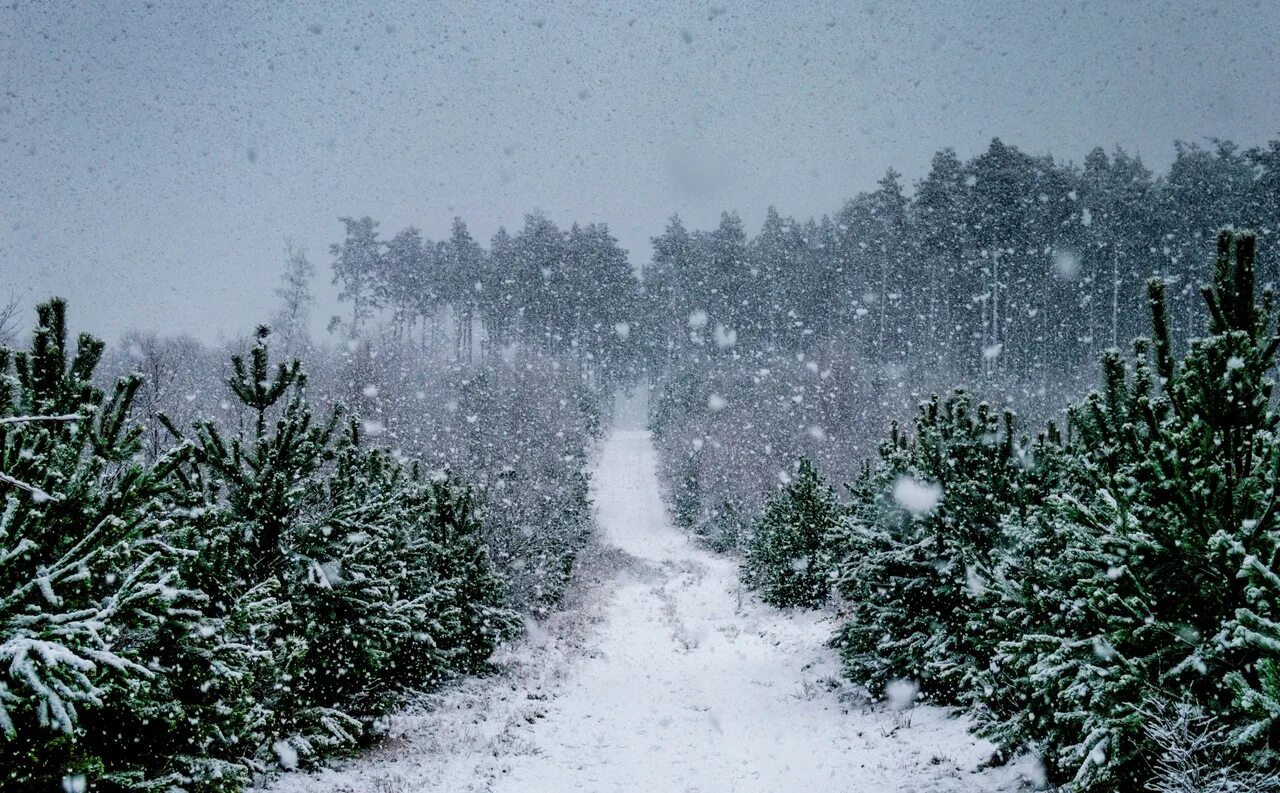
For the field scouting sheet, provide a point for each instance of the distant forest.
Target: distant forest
(1007, 268)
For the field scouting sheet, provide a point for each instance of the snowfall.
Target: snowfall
(663, 674)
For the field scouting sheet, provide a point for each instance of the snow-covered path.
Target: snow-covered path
(695, 687)
(676, 680)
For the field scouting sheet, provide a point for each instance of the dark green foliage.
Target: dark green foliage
(1258, 691)
(1065, 590)
(914, 575)
(255, 385)
(248, 596)
(1168, 496)
(1006, 271)
(451, 595)
(90, 584)
(306, 512)
(1061, 589)
(477, 592)
(784, 552)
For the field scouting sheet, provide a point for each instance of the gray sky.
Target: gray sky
(155, 156)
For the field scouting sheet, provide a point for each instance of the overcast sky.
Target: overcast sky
(155, 156)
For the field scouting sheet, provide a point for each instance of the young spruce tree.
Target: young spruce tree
(1166, 510)
(913, 555)
(784, 554)
(88, 578)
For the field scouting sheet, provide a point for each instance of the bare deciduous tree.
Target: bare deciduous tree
(9, 322)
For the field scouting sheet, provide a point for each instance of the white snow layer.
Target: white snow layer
(664, 675)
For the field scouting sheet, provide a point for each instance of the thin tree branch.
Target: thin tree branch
(18, 483)
(31, 419)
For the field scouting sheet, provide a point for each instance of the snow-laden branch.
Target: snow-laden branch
(35, 492)
(30, 419)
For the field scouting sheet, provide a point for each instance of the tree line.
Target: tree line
(543, 289)
(1007, 263)
(1007, 273)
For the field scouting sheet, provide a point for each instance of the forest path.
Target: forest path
(668, 678)
(694, 686)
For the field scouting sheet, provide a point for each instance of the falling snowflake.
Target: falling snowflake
(918, 498)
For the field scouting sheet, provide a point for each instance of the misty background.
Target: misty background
(157, 156)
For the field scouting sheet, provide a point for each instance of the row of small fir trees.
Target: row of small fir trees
(251, 598)
(1076, 593)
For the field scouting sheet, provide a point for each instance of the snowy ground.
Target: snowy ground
(663, 675)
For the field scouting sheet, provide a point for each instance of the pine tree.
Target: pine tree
(1257, 690)
(913, 557)
(358, 265)
(249, 597)
(478, 594)
(87, 576)
(352, 579)
(784, 554)
(344, 610)
(262, 487)
(1168, 496)
(867, 558)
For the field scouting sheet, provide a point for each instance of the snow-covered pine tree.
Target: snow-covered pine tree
(867, 542)
(249, 597)
(785, 556)
(204, 717)
(261, 486)
(87, 580)
(1168, 496)
(1035, 604)
(425, 598)
(477, 603)
(913, 555)
(392, 587)
(1257, 688)
(372, 581)
(570, 504)
(344, 608)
